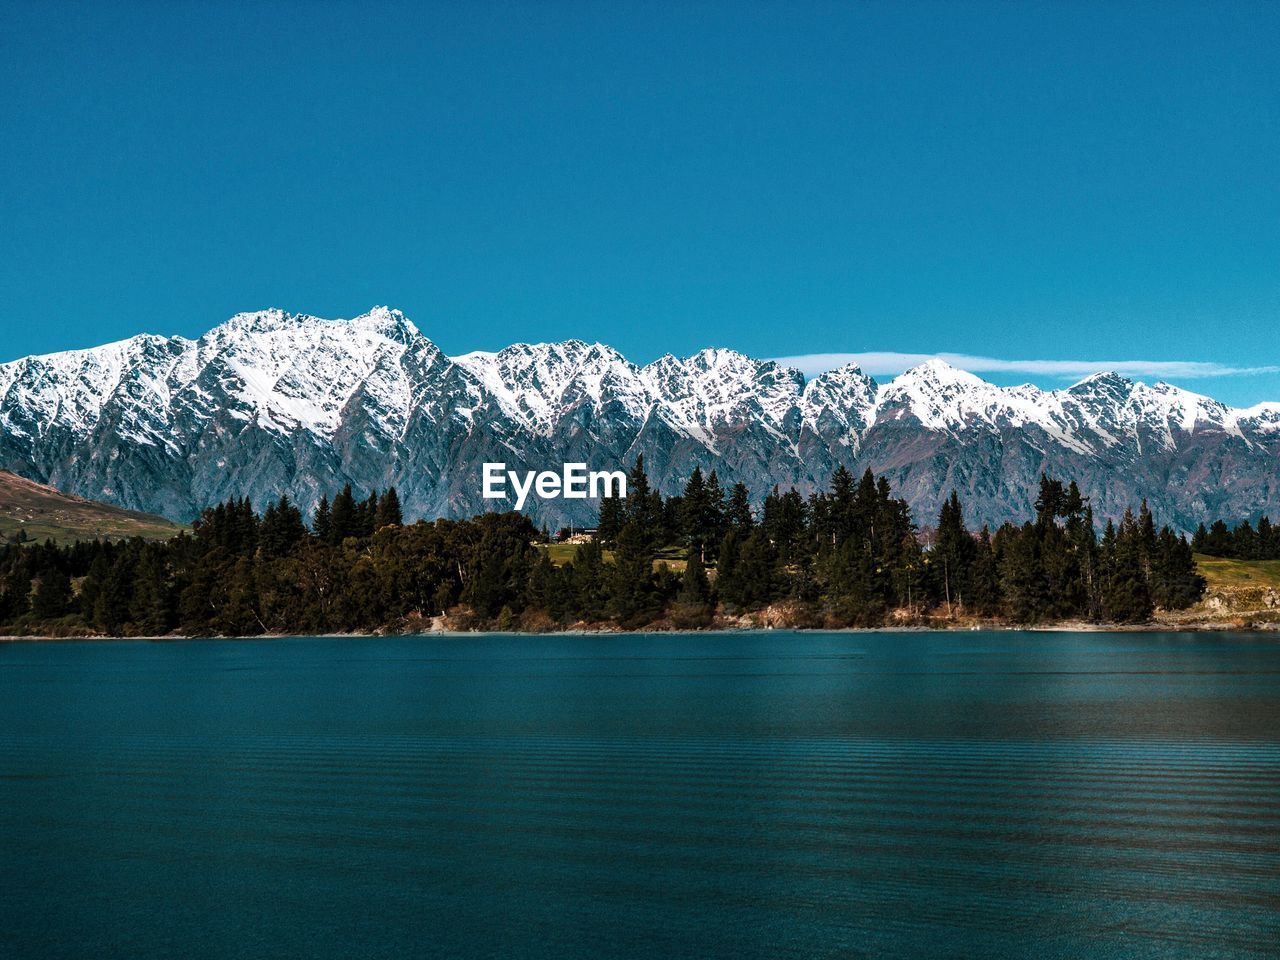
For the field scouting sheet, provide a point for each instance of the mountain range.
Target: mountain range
(272, 402)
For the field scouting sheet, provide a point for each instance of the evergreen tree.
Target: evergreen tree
(322, 523)
(111, 608)
(1175, 584)
(728, 581)
(281, 530)
(389, 514)
(1022, 574)
(984, 580)
(738, 516)
(1128, 598)
(694, 587)
(589, 581)
(756, 570)
(633, 597)
(952, 553)
(715, 513)
(612, 517)
(52, 598)
(344, 522)
(1268, 546)
(151, 606)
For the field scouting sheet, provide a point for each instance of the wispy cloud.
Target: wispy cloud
(889, 363)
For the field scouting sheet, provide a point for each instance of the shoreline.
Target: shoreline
(1066, 626)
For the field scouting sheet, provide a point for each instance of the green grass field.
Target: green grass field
(562, 553)
(1222, 573)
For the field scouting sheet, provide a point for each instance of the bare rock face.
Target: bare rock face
(270, 403)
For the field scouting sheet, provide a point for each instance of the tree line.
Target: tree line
(849, 556)
(1244, 541)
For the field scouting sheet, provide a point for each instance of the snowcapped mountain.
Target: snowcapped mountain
(273, 402)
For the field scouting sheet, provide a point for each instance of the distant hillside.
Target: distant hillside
(34, 512)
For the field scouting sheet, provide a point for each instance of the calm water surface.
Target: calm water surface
(737, 796)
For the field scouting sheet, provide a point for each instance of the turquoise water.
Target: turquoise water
(764, 795)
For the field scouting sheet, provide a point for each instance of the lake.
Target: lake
(1011, 795)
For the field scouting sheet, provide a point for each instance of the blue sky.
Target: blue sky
(1022, 184)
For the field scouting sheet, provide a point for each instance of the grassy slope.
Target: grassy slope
(43, 512)
(562, 553)
(1224, 574)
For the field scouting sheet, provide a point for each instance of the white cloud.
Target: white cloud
(889, 363)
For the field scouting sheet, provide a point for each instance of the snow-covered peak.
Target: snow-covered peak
(1105, 384)
(263, 321)
(295, 374)
(937, 370)
(388, 323)
(294, 371)
(940, 396)
(537, 383)
(839, 404)
(1163, 409)
(70, 388)
(715, 386)
(1263, 417)
(379, 321)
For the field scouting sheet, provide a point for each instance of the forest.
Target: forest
(1244, 541)
(851, 556)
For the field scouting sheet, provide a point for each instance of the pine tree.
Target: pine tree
(1175, 584)
(756, 570)
(151, 606)
(612, 517)
(389, 514)
(738, 513)
(111, 609)
(632, 594)
(589, 581)
(238, 614)
(984, 580)
(281, 529)
(694, 587)
(1146, 535)
(322, 523)
(695, 514)
(728, 582)
(1268, 547)
(1022, 573)
(52, 598)
(344, 522)
(1128, 596)
(952, 553)
(715, 510)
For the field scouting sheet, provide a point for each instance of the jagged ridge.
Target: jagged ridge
(272, 402)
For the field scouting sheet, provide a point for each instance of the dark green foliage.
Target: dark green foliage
(633, 597)
(1243, 542)
(52, 598)
(849, 555)
(343, 522)
(1175, 584)
(389, 514)
(1127, 594)
(737, 514)
(953, 553)
(612, 517)
(694, 586)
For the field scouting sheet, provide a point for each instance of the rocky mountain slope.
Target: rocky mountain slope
(272, 402)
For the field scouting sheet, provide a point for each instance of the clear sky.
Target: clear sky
(1017, 182)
